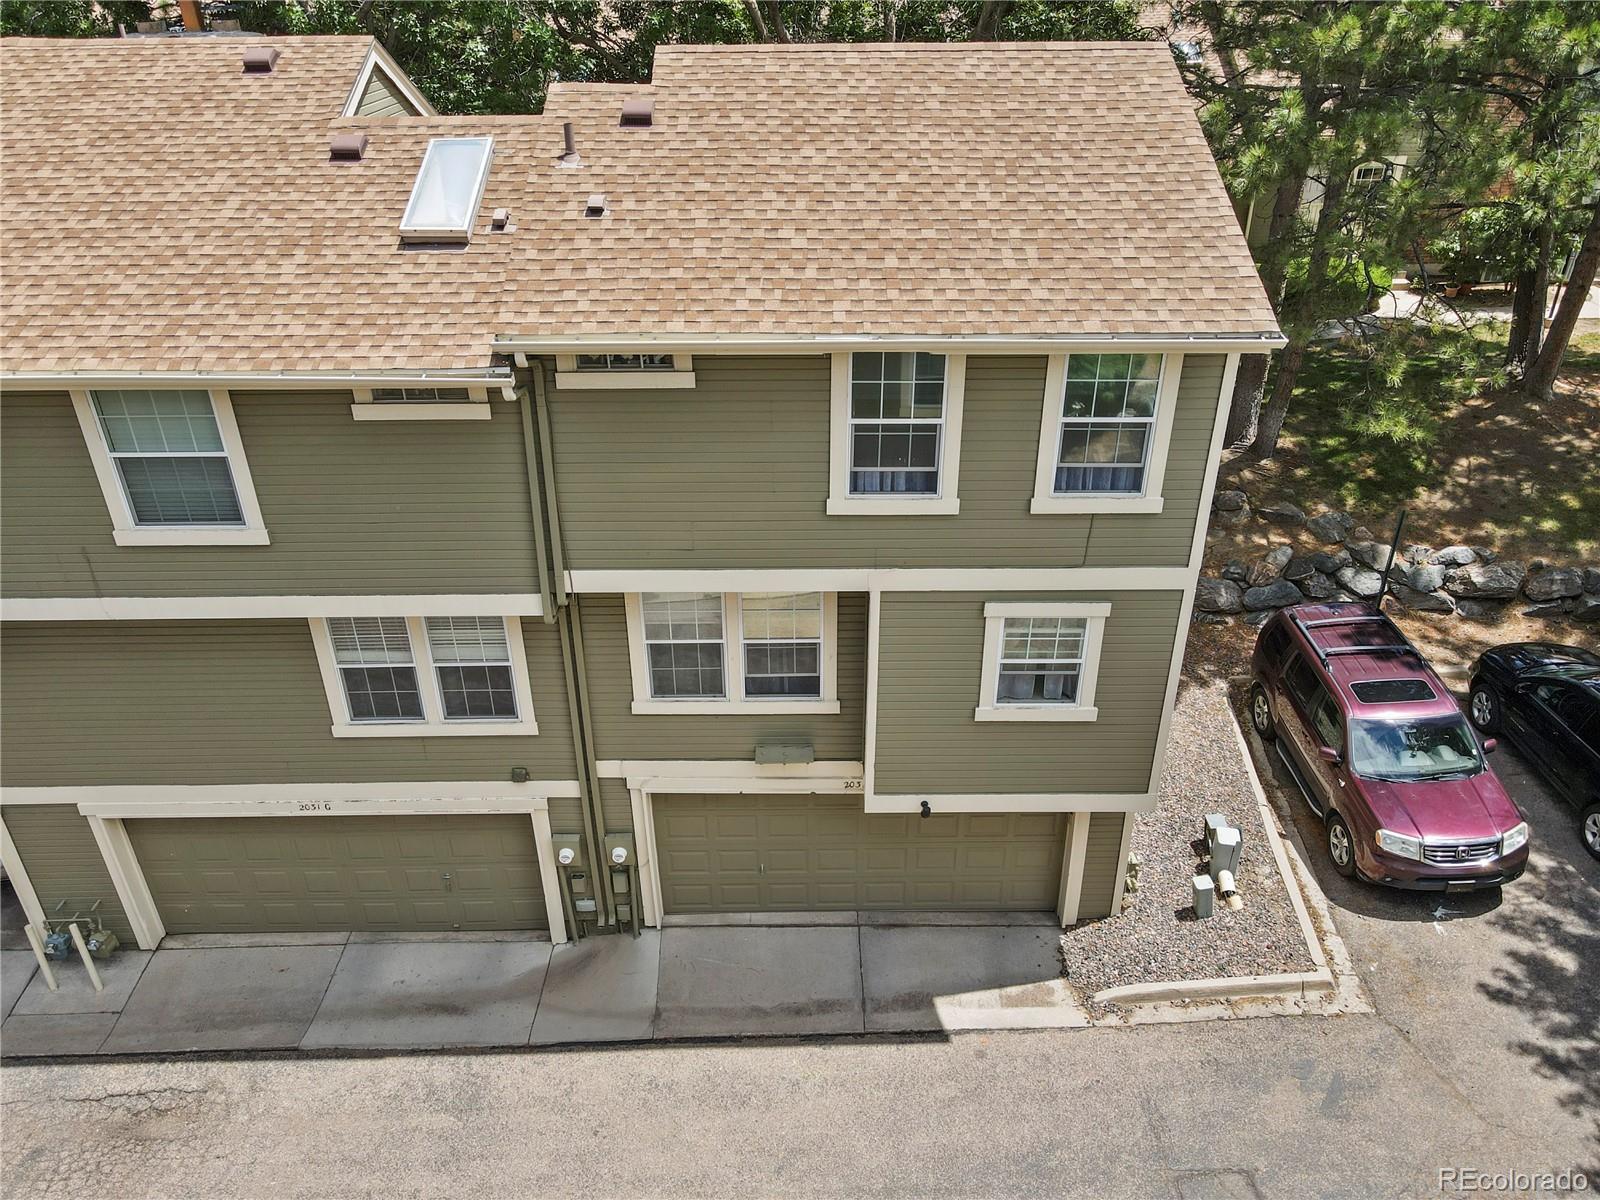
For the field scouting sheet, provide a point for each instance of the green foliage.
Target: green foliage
(68, 18)
(1351, 288)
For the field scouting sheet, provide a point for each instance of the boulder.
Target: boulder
(1359, 581)
(1369, 554)
(1485, 554)
(1360, 534)
(1265, 570)
(1425, 577)
(1551, 611)
(1591, 579)
(1236, 571)
(1587, 608)
(1299, 567)
(1205, 618)
(1416, 554)
(1218, 595)
(1329, 563)
(1231, 519)
(1479, 610)
(1282, 513)
(1230, 500)
(1453, 556)
(1276, 594)
(1485, 581)
(1552, 583)
(1258, 619)
(1318, 586)
(1331, 526)
(1419, 600)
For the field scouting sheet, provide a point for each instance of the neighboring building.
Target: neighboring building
(800, 488)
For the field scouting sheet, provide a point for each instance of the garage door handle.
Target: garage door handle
(445, 876)
(761, 869)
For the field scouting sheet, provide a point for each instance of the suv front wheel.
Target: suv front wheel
(1341, 846)
(1261, 713)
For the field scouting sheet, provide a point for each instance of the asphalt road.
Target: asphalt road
(1482, 1054)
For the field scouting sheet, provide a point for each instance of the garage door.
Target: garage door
(286, 874)
(812, 853)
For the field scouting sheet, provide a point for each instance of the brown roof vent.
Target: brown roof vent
(638, 112)
(347, 147)
(259, 60)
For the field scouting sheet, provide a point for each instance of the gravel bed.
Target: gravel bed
(1158, 937)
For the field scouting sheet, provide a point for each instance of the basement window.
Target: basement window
(448, 190)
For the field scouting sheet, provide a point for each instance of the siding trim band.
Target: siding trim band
(878, 579)
(1133, 802)
(244, 608)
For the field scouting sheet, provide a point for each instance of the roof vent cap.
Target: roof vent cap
(347, 147)
(638, 112)
(500, 221)
(259, 60)
(596, 206)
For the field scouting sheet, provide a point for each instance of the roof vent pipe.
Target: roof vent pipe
(569, 151)
(259, 60)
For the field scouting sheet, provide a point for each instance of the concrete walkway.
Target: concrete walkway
(365, 991)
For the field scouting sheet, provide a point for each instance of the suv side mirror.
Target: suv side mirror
(1488, 745)
(1330, 755)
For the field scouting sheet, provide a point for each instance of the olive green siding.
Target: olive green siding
(63, 860)
(930, 659)
(616, 805)
(383, 99)
(621, 734)
(1100, 864)
(194, 702)
(352, 507)
(735, 474)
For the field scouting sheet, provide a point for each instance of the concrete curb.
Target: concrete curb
(1328, 988)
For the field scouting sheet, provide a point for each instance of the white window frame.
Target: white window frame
(433, 723)
(946, 502)
(735, 701)
(474, 408)
(569, 377)
(126, 530)
(1093, 614)
(1149, 500)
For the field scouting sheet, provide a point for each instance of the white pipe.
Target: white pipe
(38, 953)
(88, 959)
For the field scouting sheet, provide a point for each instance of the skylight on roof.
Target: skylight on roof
(448, 189)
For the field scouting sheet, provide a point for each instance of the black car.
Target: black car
(1546, 700)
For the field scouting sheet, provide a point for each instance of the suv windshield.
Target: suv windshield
(1439, 748)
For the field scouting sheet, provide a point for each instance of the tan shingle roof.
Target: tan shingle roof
(162, 211)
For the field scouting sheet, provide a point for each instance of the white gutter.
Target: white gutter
(487, 377)
(1223, 343)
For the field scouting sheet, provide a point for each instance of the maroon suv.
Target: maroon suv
(1382, 752)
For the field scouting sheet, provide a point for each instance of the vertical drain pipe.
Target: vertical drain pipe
(572, 662)
(530, 454)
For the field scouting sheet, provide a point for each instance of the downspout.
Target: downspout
(537, 441)
(530, 455)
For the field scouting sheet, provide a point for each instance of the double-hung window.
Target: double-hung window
(712, 652)
(896, 443)
(389, 676)
(1107, 421)
(1041, 661)
(171, 466)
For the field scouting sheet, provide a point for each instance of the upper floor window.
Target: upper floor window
(1106, 424)
(717, 652)
(625, 362)
(421, 395)
(171, 466)
(1041, 661)
(896, 432)
(424, 676)
(620, 372)
(1370, 173)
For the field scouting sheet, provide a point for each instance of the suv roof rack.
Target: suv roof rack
(1324, 653)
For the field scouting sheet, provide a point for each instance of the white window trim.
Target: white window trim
(1045, 499)
(433, 723)
(947, 503)
(568, 377)
(474, 408)
(378, 61)
(125, 531)
(644, 704)
(994, 623)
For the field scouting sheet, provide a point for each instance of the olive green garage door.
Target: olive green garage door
(813, 853)
(288, 874)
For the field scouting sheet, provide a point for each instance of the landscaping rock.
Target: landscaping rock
(1282, 513)
(1360, 534)
(1218, 596)
(1591, 579)
(1453, 556)
(1552, 583)
(1486, 581)
(1258, 619)
(1236, 571)
(1329, 563)
(1416, 554)
(1299, 567)
(1485, 554)
(1359, 581)
(1230, 500)
(1479, 610)
(1265, 570)
(1207, 618)
(1369, 554)
(1318, 586)
(1277, 594)
(1588, 609)
(1550, 612)
(1425, 577)
(1331, 526)
(1279, 557)
(1418, 600)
